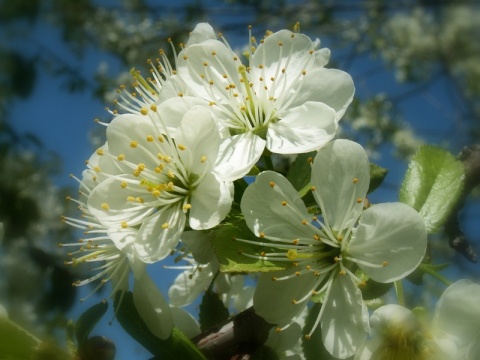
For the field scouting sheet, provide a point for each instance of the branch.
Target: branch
(470, 157)
(237, 339)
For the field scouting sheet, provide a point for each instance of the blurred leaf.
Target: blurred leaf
(265, 353)
(15, 342)
(231, 252)
(373, 290)
(433, 184)
(177, 346)
(300, 172)
(212, 311)
(88, 320)
(377, 175)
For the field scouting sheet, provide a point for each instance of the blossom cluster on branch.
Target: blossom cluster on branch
(170, 179)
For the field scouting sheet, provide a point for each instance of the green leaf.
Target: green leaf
(212, 311)
(377, 175)
(47, 351)
(265, 353)
(87, 321)
(231, 251)
(433, 184)
(15, 342)
(300, 171)
(177, 346)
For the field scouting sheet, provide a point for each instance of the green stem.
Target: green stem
(400, 294)
(428, 270)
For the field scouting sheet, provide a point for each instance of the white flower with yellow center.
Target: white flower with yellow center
(113, 258)
(385, 241)
(283, 99)
(154, 182)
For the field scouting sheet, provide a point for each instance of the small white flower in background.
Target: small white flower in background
(385, 241)
(283, 99)
(155, 182)
(111, 253)
(396, 332)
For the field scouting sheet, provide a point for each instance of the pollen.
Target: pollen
(124, 225)
(134, 144)
(143, 111)
(165, 226)
(359, 200)
(278, 330)
(150, 138)
(295, 242)
(187, 207)
(100, 152)
(203, 159)
(313, 188)
(105, 206)
(307, 337)
(284, 203)
(261, 235)
(121, 157)
(304, 222)
(272, 184)
(181, 147)
(355, 180)
(342, 272)
(384, 263)
(153, 107)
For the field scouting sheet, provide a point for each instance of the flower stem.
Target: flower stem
(400, 294)
(428, 270)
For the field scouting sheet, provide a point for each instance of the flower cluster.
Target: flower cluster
(167, 170)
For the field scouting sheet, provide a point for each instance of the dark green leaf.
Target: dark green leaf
(212, 311)
(433, 184)
(15, 342)
(88, 320)
(177, 346)
(377, 175)
(265, 353)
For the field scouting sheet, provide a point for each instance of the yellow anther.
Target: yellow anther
(99, 152)
(180, 94)
(304, 222)
(336, 259)
(150, 138)
(161, 139)
(292, 254)
(278, 330)
(133, 144)
(294, 302)
(141, 166)
(316, 237)
(297, 273)
(295, 242)
(143, 111)
(263, 253)
(310, 160)
(170, 174)
(124, 225)
(121, 157)
(185, 57)
(284, 203)
(187, 207)
(384, 263)
(130, 199)
(304, 72)
(203, 159)
(261, 235)
(307, 337)
(274, 278)
(96, 169)
(310, 52)
(181, 147)
(272, 184)
(355, 180)
(123, 184)
(359, 200)
(342, 272)
(165, 226)
(105, 206)
(156, 193)
(153, 107)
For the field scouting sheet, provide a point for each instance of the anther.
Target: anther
(272, 184)
(284, 203)
(143, 111)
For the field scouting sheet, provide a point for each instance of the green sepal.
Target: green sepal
(230, 251)
(87, 321)
(433, 184)
(377, 175)
(177, 346)
(212, 311)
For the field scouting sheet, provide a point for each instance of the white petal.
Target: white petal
(127, 128)
(199, 134)
(110, 193)
(458, 313)
(202, 32)
(211, 203)
(191, 67)
(152, 307)
(273, 300)
(270, 59)
(391, 232)
(341, 176)
(185, 290)
(302, 129)
(244, 299)
(122, 238)
(185, 322)
(330, 86)
(159, 235)
(262, 206)
(345, 318)
(237, 155)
